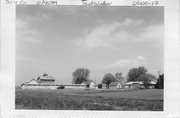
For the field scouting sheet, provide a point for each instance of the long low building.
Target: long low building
(52, 86)
(48, 82)
(139, 84)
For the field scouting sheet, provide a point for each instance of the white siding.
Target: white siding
(92, 85)
(33, 82)
(75, 86)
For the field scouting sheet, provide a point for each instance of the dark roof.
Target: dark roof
(45, 77)
(88, 82)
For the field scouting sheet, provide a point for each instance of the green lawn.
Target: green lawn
(69, 99)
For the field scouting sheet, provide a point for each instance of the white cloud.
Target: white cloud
(99, 37)
(108, 35)
(139, 60)
(128, 22)
(121, 63)
(152, 33)
(112, 35)
(25, 33)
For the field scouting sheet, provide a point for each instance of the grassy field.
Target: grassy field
(69, 99)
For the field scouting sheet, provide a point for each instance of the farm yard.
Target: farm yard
(112, 62)
(90, 99)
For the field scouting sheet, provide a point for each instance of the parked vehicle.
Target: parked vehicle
(61, 87)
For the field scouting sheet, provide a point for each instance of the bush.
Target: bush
(61, 87)
(87, 86)
(99, 85)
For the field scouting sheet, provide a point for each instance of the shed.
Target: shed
(115, 85)
(89, 83)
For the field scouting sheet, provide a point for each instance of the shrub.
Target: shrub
(99, 85)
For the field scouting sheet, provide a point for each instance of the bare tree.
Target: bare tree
(119, 77)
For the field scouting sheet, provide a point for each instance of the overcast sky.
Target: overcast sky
(58, 39)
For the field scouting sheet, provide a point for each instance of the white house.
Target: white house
(132, 84)
(89, 84)
(115, 85)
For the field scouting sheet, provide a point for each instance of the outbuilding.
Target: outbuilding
(115, 85)
(30, 84)
(139, 84)
(89, 84)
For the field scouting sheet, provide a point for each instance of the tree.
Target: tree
(151, 76)
(160, 82)
(145, 78)
(140, 74)
(135, 73)
(119, 77)
(108, 78)
(161, 77)
(80, 75)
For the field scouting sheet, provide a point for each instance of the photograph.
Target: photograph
(82, 57)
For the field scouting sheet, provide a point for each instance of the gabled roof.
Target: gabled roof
(139, 82)
(130, 83)
(87, 82)
(31, 81)
(152, 82)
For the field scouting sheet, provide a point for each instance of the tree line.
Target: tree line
(140, 73)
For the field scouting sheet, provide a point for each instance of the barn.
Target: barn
(30, 84)
(48, 82)
(115, 85)
(42, 82)
(45, 78)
